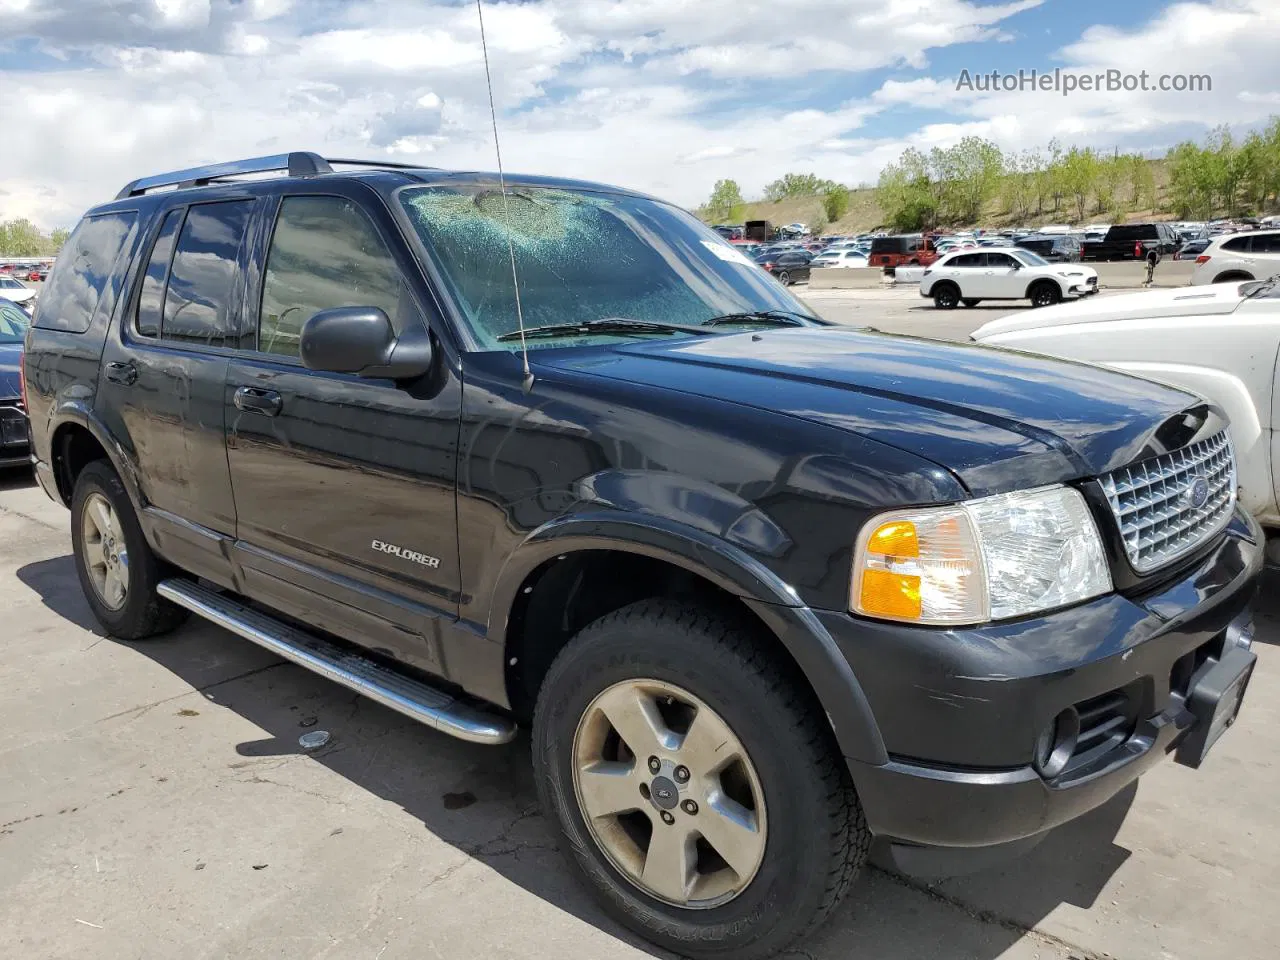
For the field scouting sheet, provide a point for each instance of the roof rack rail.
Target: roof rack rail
(383, 164)
(298, 164)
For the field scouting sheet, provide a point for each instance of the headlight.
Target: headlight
(988, 559)
(1071, 273)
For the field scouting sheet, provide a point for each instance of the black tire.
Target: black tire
(143, 613)
(1045, 293)
(784, 278)
(971, 301)
(817, 836)
(946, 295)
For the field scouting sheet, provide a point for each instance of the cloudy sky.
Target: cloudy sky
(664, 95)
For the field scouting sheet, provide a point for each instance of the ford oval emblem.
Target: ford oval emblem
(1198, 492)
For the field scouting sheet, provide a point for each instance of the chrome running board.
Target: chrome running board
(401, 693)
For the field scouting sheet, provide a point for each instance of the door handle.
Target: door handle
(125, 372)
(252, 400)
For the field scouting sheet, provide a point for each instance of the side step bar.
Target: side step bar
(403, 694)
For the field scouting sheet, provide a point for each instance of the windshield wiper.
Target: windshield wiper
(775, 318)
(603, 325)
(1263, 287)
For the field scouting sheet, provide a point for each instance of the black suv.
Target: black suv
(556, 454)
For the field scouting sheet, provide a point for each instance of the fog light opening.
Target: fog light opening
(1056, 743)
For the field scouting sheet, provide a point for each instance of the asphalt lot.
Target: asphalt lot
(154, 802)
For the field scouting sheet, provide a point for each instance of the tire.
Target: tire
(1044, 294)
(815, 837)
(946, 296)
(971, 301)
(784, 278)
(140, 612)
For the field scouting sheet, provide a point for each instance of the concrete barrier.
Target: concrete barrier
(846, 278)
(1133, 273)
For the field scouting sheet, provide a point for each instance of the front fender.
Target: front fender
(774, 601)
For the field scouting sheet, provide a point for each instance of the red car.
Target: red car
(903, 250)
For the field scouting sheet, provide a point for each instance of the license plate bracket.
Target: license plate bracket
(1215, 700)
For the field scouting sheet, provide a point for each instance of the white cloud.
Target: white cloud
(663, 95)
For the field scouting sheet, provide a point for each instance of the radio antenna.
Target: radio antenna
(506, 211)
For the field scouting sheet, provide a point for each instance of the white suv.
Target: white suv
(1239, 256)
(971, 276)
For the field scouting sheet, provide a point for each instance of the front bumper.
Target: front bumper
(15, 435)
(960, 711)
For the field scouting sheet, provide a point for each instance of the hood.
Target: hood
(17, 296)
(999, 420)
(10, 380)
(1220, 298)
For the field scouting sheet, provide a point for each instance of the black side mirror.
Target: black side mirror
(360, 340)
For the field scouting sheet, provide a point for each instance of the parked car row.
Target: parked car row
(25, 271)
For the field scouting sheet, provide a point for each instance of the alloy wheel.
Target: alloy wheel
(106, 556)
(669, 794)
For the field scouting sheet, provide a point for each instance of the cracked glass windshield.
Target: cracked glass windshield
(583, 257)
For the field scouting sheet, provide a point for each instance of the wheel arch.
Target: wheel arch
(1039, 281)
(571, 572)
(77, 437)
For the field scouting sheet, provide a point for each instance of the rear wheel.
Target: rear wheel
(971, 301)
(784, 278)
(1045, 294)
(1232, 277)
(946, 296)
(117, 570)
(699, 792)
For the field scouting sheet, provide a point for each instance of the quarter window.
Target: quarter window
(198, 304)
(1266, 243)
(80, 278)
(325, 254)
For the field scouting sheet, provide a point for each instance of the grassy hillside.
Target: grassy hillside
(865, 214)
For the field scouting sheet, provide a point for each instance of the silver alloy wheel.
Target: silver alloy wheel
(669, 794)
(105, 555)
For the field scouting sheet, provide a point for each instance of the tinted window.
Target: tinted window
(1000, 260)
(324, 253)
(83, 268)
(888, 245)
(1266, 243)
(1134, 231)
(151, 299)
(197, 307)
(968, 260)
(1237, 244)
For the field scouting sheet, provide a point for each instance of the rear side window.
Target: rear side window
(151, 299)
(324, 253)
(83, 270)
(1266, 243)
(202, 280)
(1237, 244)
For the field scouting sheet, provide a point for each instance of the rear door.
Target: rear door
(344, 487)
(999, 278)
(163, 371)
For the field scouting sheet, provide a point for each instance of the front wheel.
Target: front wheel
(1045, 294)
(698, 790)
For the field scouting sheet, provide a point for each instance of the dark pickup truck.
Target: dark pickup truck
(1132, 241)
(767, 592)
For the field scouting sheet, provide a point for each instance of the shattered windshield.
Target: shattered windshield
(583, 256)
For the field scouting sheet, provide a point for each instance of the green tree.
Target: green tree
(906, 193)
(1079, 177)
(795, 185)
(726, 201)
(58, 239)
(21, 238)
(835, 202)
(1110, 176)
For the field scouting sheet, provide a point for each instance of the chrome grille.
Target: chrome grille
(1153, 506)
